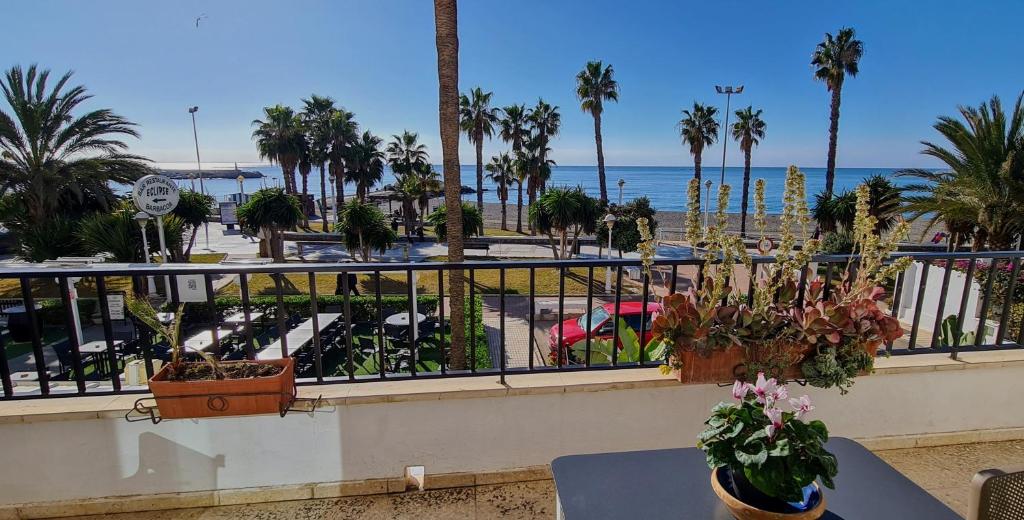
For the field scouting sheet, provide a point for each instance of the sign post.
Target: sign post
(158, 196)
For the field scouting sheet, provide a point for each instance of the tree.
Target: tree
(447, 42)
(985, 176)
(316, 116)
(269, 212)
(115, 233)
(279, 139)
(594, 86)
(534, 168)
(546, 122)
(365, 163)
(837, 213)
(748, 130)
(501, 172)
(477, 119)
(515, 130)
(343, 131)
(405, 153)
(55, 164)
(625, 234)
(699, 129)
(365, 229)
(565, 212)
(835, 58)
(472, 219)
(305, 166)
(194, 210)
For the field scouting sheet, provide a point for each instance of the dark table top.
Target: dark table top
(676, 484)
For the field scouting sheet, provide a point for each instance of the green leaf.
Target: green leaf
(752, 454)
(779, 449)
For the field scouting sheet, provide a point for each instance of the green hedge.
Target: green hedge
(364, 308)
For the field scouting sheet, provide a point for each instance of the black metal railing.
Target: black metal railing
(280, 309)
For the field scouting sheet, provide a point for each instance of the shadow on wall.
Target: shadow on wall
(165, 464)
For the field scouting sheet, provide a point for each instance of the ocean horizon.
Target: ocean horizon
(665, 186)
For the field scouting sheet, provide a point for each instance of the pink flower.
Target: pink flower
(740, 390)
(801, 406)
(765, 389)
(775, 416)
(780, 394)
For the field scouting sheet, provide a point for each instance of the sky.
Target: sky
(149, 62)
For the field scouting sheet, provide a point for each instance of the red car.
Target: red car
(601, 326)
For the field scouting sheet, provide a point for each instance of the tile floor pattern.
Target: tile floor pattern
(944, 471)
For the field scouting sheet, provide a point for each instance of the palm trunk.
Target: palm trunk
(519, 208)
(447, 42)
(323, 198)
(696, 174)
(305, 190)
(833, 138)
(746, 190)
(339, 187)
(480, 176)
(504, 211)
(600, 158)
(531, 190)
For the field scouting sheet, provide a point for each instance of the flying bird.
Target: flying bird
(200, 18)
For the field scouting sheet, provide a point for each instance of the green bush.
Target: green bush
(364, 308)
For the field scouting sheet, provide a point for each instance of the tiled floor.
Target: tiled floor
(944, 471)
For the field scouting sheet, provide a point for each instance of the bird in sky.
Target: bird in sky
(200, 17)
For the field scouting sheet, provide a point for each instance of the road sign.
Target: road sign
(155, 194)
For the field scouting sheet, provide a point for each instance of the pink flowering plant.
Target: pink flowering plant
(763, 437)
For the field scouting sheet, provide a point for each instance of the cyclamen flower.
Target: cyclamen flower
(765, 390)
(775, 416)
(740, 390)
(801, 406)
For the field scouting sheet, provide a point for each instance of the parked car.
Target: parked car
(602, 324)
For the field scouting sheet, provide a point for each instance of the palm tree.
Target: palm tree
(316, 114)
(472, 221)
(365, 229)
(985, 177)
(594, 86)
(51, 159)
(405, 153)
(748, 130)
(565, 212)
(477, 119)
(501, 172)
(546, 122)
(271, 211)
(699, 129)
(365, 162)
(429, 186)
(305, 166)
(515, 130)
(343, 132)
(833, 59)
(279, 139)
(447, 42)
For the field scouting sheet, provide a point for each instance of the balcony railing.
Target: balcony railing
(275, 310)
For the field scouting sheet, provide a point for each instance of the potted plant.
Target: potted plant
(210, 388)
(764, 457)
(715, 334)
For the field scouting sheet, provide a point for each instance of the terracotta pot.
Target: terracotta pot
(722, 366)
(743, 511)
(225, 397)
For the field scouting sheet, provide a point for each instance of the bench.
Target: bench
(303, 239)
(476, 245)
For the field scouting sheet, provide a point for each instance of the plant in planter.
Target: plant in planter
(714, 334)
(765, 459)
(208, 388)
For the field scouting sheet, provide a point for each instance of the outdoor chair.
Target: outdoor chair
(367, 346)
(65, 360)
(997, 494)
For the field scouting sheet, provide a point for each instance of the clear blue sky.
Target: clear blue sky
(149, 62)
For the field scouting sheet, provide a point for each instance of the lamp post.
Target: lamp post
(143, 218)
(707, 204)
(609, 221)
(241, 189)
(622, 182)
(199, 167)
(728, 91)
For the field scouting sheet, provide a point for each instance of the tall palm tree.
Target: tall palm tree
(501, 172)
(429, 185)
(748, 130)
(405, 153)
(833, 59)
(594, 86)
(305, 166)
(699, 129)
(279, 139)
(343, 131)
(447, 42)
(316, 114)
(985, 177)
(478, 118)
(365, 164)
(515, 130)
(546, 122)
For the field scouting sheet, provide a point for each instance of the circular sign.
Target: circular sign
(155, 194)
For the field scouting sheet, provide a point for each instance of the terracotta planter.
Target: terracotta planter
(743, 511)
(726, 366)
(225, 397)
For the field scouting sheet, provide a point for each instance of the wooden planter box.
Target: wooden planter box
(225, 397)
(728, 365)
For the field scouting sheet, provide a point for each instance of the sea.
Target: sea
(665, 186)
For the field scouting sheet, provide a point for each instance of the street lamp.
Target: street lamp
(142, 218)
(609, 221)
(199, 167)
(728, 91)
(241, 189)
(622, 182)
(334, 198)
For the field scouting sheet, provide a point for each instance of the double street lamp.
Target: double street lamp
(728, 91)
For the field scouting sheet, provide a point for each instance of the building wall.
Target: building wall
(76, 458)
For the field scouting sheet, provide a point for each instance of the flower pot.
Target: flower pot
(766, 508)
(225, 397)
(722, 366)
